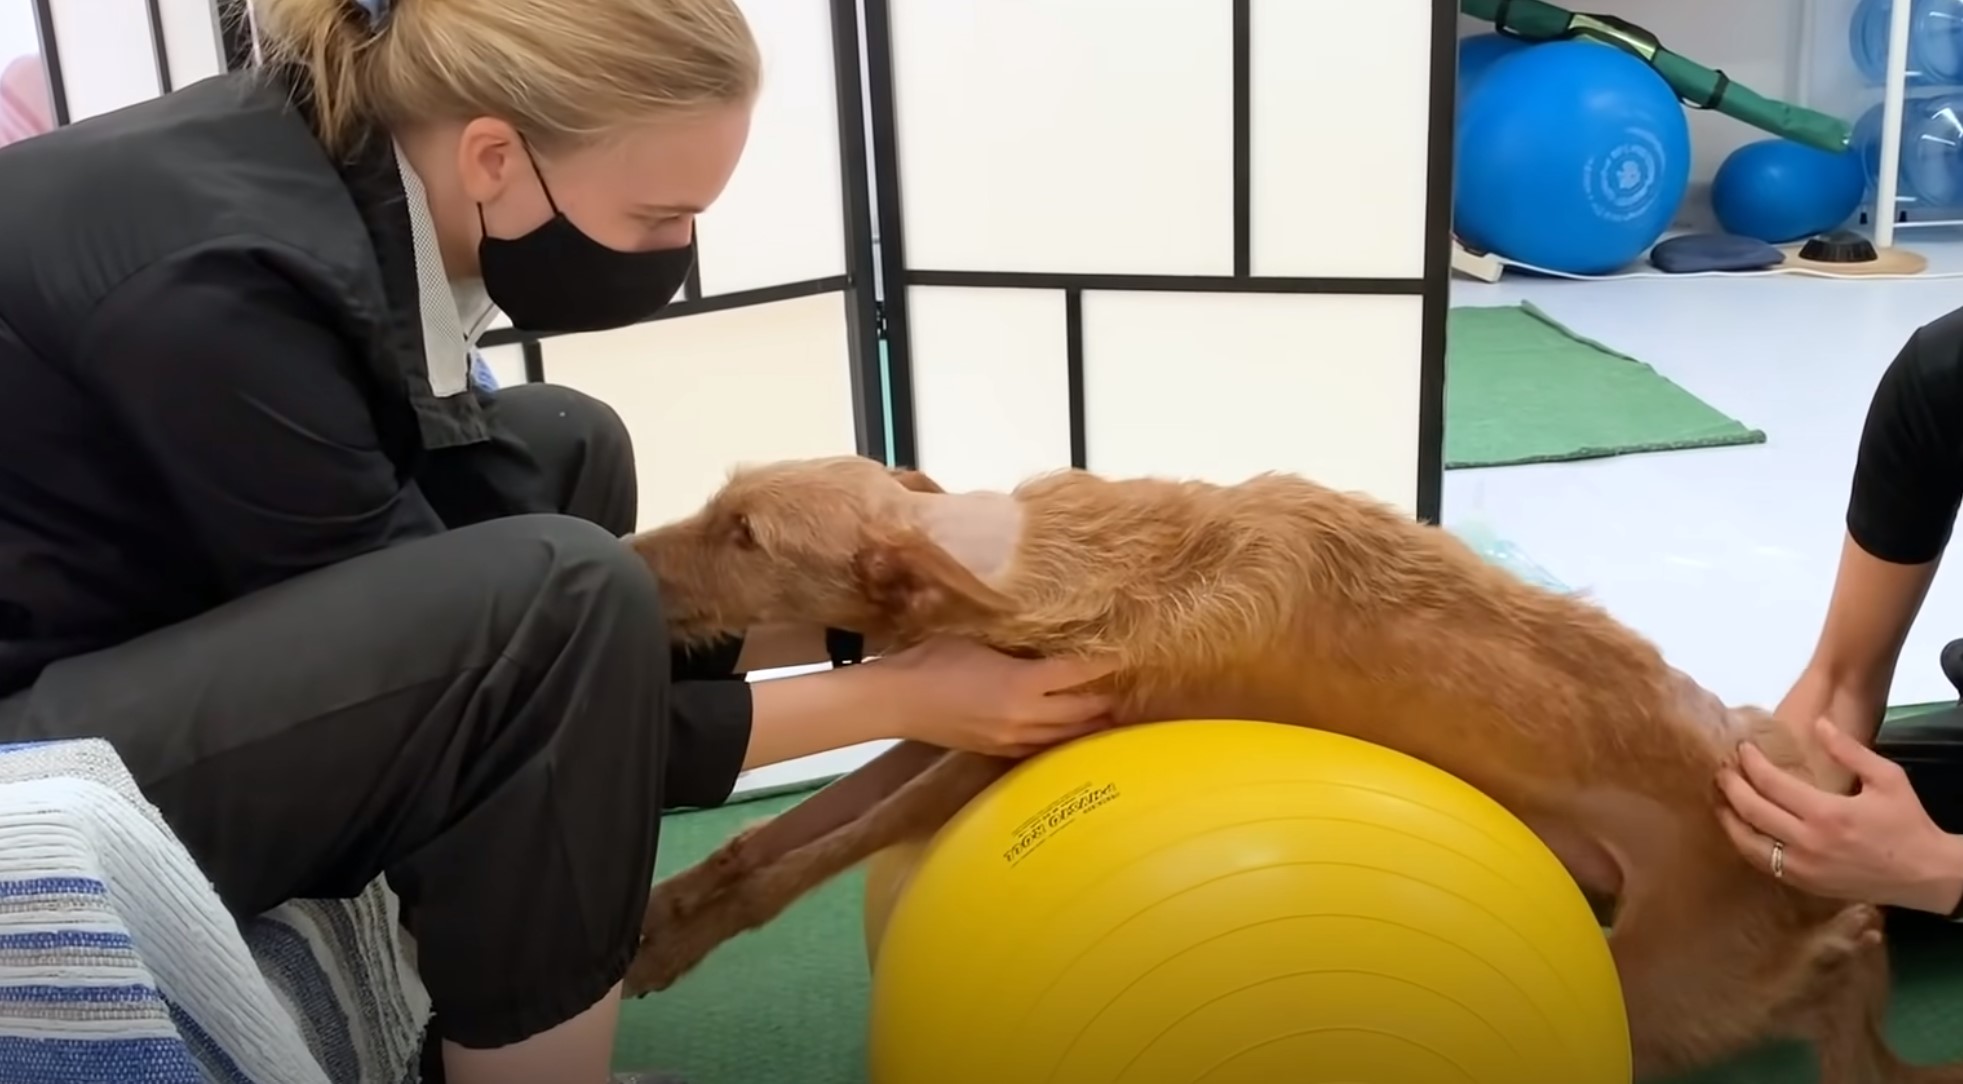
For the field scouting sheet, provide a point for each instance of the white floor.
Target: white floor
(1725, 556)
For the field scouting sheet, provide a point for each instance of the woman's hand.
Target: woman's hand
(958, 694)
(1876, 846)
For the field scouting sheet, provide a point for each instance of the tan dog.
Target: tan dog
(1279, 599)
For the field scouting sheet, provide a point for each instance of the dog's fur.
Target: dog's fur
(1280, 599)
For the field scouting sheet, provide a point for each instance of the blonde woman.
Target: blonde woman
(342, 615)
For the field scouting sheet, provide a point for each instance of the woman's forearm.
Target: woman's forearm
(1942, 878)
(814, 713)
(1854, 701)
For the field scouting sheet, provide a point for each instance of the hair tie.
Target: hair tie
(378, 10)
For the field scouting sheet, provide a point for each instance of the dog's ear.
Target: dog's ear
(916, 481)
(907, 576)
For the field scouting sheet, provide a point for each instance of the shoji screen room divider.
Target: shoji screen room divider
(101, 55)
(1200, 238)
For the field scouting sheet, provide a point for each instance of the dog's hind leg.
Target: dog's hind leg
(1729, 961)
(1713, 958)
(739, 889)
(1842, 1013)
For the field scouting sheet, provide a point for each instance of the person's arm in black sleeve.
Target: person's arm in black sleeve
(234, 383)
(708, 742)
(769, 647)
(709, 662)
(713, 706)
(246, 399)
(1907, 483)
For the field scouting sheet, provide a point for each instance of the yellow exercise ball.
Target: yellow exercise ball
(1226, 902)
(888, 874)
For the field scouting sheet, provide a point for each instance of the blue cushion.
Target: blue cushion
(1696, 252)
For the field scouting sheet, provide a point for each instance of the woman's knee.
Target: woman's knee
(607, 436)
(552, 413)
(567, 561)
(583, 447)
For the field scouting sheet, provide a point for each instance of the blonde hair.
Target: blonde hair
(560, 71)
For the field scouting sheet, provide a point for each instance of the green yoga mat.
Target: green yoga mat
(783, 1005)
(788, 1002)
(1521, 388)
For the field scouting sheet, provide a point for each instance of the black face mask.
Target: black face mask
(557, 279)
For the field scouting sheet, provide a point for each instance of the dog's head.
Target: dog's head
(832, 541)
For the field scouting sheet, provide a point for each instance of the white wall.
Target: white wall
(1756, 42)
(17, 34)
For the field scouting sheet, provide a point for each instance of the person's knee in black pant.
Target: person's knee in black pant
(482, 716)
(527, 904)
(582, 447)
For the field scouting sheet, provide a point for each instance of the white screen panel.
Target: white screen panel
(991, 394)
(1066, 135)
(19, 36)
(781, 218)
(1339, 179)
(191, 40)
(507, 363)
(107, 58)
(1225, 386)
(704, 393)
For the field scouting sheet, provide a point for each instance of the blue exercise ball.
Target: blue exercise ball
(1478, 53)
(1778, 191)
(1573, 156)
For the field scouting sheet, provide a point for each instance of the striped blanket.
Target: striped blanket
(119, 963)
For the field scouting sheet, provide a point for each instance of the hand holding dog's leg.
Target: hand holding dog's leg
(1877, 846)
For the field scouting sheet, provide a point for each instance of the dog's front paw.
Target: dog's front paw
(650, 972)
(664, 914)
(1855, 929)
(672, 944)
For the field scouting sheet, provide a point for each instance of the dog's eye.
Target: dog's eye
(741, 534)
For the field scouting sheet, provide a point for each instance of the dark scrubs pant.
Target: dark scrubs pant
(486, 717)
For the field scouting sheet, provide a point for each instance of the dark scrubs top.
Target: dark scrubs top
(212, 367)
(1908, 475)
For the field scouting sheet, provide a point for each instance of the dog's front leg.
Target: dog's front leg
(831, 808)
(693, 913)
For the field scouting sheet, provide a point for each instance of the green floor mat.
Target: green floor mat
(1521, 388)
(783, 1005)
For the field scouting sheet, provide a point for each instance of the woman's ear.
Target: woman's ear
(909, 578)
(916, 481)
